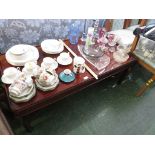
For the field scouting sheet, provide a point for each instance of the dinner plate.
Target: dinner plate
(32, 55)
(64, 63)
(52, 46)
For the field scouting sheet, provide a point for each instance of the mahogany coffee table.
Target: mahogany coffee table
(63, 90)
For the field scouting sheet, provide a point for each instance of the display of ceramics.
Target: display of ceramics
(64, 59)
(49, 62)
(67, 76)
(47, 80)
(10, 74)
(52, 46)
(18, 55)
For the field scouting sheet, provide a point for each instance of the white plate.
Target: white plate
(18, 49)
(32, 55)
(7, 80)
(53, 66)
(52, 46)
(61, 62)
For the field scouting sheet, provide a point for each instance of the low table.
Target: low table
(63, 90)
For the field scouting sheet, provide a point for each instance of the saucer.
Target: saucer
(62, 62)
(67, 78)
(52, 87)
(53, 66)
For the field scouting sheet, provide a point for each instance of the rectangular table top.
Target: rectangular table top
(63, 89)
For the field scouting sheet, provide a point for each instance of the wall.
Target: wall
(34, 31)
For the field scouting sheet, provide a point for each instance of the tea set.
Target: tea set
(23, 83)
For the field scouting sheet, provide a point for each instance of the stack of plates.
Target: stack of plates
(25, 96)
(52, 46)
(53, 85)
(18, 55)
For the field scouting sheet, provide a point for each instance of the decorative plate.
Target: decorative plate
(64, 63)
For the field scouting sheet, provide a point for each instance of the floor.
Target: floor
(100, 109)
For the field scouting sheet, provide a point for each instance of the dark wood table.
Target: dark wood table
(63, 90)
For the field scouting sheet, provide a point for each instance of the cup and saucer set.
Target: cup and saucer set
(67, 75)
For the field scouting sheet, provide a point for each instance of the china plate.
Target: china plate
(33, 55)
(18, 49)
(47, 47)
(53, 66)
(64, 63)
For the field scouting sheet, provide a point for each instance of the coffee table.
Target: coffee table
(63, 90)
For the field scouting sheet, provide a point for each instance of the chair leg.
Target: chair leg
(145, 86)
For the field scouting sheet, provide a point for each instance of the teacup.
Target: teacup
(30, 68)
(64, 56)
(67, 72)
(10, 72)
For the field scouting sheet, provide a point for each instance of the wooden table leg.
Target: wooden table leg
(123, 75)
(26, 123)
(145, 86)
